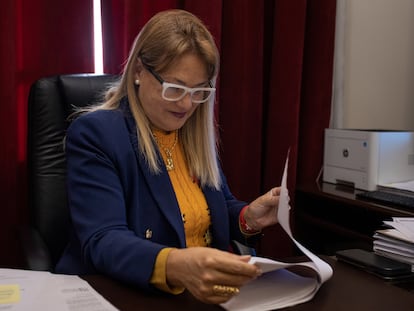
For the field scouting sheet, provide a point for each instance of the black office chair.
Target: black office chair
(51, 101)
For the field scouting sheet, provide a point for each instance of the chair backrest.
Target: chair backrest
(51, 101)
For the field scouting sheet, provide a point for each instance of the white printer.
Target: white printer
(367, 158)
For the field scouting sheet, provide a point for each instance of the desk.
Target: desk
(348, 289)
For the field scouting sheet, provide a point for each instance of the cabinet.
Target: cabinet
(328, 217)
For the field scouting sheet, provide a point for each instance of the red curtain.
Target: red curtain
(299, 98)
(316, 90)
(274, 87)
(122, 21)
(38, 38)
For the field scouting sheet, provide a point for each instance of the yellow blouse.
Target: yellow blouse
(193, 206)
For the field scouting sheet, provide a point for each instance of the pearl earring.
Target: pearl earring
(136, 82)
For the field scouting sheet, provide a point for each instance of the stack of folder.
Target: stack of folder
(396, 242)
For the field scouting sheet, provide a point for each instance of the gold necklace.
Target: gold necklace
(169, 163)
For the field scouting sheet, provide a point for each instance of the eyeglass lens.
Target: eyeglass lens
(176, 93)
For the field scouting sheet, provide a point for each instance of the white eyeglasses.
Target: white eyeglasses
(174, 92)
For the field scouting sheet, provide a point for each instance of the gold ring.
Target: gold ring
(221, 290)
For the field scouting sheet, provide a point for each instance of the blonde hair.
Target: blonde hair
(167, 36)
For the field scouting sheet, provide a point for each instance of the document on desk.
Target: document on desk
(402, 186)
(22, 290)
(396, 242)
(278, 287)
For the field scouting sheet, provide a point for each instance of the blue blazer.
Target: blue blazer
(122, 215)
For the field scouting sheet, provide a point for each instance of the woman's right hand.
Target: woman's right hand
(204, 271)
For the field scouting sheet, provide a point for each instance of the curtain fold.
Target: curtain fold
(274, 88)
(121, 22)
(241, 96)
(299, 97)
(39, 38)
(316, 91)
(282, 108)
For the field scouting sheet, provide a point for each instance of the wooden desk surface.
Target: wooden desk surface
(348, 289)
(346, 194)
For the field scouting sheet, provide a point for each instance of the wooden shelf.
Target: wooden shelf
(328, 217)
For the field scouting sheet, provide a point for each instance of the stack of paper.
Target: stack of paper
(23, 290)
(397, 242)
(278, 287)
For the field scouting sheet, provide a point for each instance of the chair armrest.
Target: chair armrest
(35, 252)
(242, 249)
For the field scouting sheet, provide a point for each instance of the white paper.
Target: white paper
(404, 225)
(404, 185)
(392, 236)
(396, 243)
(44, 291)
(277, 287)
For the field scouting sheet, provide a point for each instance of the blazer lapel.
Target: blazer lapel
(166, 199)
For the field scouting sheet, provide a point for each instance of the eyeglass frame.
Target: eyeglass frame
(186, 89)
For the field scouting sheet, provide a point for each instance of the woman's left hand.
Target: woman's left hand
(262, 212)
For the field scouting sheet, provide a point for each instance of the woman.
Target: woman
(148, 200)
